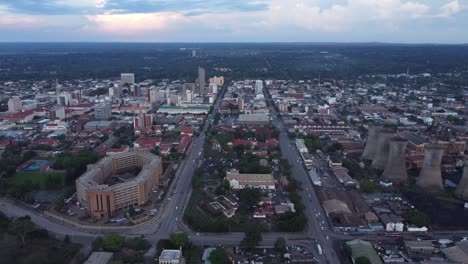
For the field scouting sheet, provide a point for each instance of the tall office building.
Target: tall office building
(202, 80)
(58, 90)
(217, 80)
(143, 121)
(259, 87)
(57, 112)
(153, 95)
(15, 105)
(127, 78)
(102, 111)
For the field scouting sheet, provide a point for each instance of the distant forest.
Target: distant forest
(66, 61)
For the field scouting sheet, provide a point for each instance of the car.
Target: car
(197, 234)
(327, 237)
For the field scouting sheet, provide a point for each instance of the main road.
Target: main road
(314, 210)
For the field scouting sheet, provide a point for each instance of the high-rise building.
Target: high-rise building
(217, 80)
(153, 95)
(240, 103)
(127, 78)
(57, 112)
(194, 53)
(64, 98)
(136, 91)
(259, 87)
(143, 121)
(213, 88)
(15, 105)
(58, 90)
(202, 80)
(103, 111)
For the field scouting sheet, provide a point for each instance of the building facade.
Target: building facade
(102, 199)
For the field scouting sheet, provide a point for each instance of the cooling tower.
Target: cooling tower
(382, 150)
(430, 177)
(371, 144)
(462, 188)
(395, 169)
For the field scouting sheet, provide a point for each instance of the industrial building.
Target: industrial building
(104, 188)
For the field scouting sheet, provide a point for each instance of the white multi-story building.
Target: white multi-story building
(127, 78)
(15, 105)
(171, 256)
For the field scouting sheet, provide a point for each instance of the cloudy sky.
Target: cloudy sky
(415, 21)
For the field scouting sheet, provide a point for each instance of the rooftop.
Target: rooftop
(169, 254)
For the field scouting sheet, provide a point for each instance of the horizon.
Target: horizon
(239, 42)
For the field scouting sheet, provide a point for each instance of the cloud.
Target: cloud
(450, 9)
(237, 20)
(133, 24)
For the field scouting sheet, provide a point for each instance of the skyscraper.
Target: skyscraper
(15, 105)
(202, 80)
(127, 78)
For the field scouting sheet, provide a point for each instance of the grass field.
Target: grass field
(46, 180)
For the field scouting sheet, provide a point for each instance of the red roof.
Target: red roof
(148, 142)
(45, 141)
(187, 130)
(183, 143)
(20, 115)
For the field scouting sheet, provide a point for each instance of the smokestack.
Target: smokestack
(430, 177)
(395, 169)
(371, 144)
(383, 149)
(462, 188)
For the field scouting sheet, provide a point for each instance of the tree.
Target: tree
(362, 260)
(249, 197)
(253, 236)
(280, 244)
(21, 227)
(347, 250)
(113, 243)
(418, 218)
(179, 239)
(218, 256)
(137, 243)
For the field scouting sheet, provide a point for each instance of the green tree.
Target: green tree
(418, 218)
(113, 243)
(249, 197)
(219, 256)
(347, 250)
(179, 239)
(280, 244)
(21, 227)
(362, 260)
(253, 236)
(367, 186)
(137, 243)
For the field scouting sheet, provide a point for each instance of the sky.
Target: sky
(396, 21)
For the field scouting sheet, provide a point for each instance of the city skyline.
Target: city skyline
(393, 21)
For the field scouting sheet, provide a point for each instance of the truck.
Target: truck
(319, 249)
